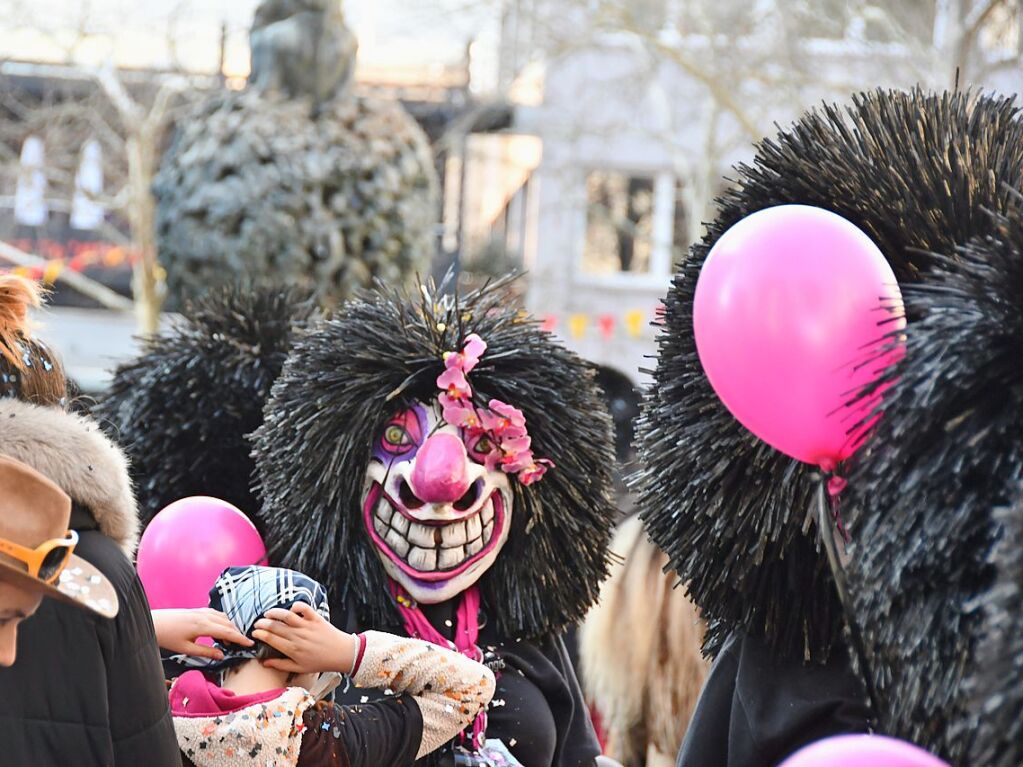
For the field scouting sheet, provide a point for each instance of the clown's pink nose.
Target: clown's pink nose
(440, 472)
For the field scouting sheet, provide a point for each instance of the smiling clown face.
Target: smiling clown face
(437, 515)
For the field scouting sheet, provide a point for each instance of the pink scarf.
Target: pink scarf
(467, 631)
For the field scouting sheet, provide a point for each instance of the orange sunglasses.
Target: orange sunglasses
(45, 561)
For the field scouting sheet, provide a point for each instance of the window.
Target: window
(619, 223)
(635, 224)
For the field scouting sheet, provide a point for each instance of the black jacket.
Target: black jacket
(755, 710)
(84, 690)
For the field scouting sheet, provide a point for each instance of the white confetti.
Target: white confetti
(364, 699)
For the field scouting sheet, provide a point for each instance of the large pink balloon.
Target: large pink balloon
(188, 544)
(862, 751)
(790, 304)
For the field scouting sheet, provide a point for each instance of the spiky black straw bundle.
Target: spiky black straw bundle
(913, 170)
(346, 377)
(995, 683)
(946, 453)
(183, 409)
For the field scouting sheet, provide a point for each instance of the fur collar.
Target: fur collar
(73, 452)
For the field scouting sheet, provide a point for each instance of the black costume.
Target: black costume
(343, 378)
(936, 505)
(917, 172)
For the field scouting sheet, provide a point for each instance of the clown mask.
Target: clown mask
(437, 515)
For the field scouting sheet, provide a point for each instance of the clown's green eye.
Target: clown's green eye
(483, 445)
(397, 436)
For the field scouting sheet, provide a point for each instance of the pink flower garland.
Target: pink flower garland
(504, 424)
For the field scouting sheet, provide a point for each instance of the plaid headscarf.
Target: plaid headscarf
(244, 594)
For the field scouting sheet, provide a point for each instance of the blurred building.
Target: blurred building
(639, 107)
(590, 158)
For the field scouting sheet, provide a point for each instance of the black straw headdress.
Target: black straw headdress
(995, 682)
(348, 375)
(946, 454)
(913, 170)
(183, 409)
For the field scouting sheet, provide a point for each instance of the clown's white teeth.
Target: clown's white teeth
(423, 560)
(473, 528)
(400, 523)
(421, 535)
(434, 547)
(454, 535)
(450, 558)
(398, 544)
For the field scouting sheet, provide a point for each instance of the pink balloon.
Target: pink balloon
(862, 751)
(188, 544)
(791, 303)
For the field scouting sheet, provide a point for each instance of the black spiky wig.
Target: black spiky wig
(995, 682)
(183, 409)
(946, 454)
(351, 373)
(912, 170)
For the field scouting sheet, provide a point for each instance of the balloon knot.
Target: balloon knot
(836, 485)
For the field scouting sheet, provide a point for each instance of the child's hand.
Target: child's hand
(311, 643)
(177, 630)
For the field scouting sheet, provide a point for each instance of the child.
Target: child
(254, 706)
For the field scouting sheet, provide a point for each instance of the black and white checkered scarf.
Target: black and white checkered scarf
(244, 594)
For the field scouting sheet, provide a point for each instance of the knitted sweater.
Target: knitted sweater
(216, 728)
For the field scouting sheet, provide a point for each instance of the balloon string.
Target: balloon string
(835, 485)
(827, 513)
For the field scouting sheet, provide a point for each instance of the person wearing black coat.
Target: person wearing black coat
(756, 709)
(85, 690)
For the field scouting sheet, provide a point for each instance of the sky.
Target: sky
(136, 33)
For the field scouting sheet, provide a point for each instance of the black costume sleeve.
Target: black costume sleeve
(547, 667)
(385, 732)
(755, 711)
(577, 741)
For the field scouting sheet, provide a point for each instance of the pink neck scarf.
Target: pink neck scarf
(467, 631)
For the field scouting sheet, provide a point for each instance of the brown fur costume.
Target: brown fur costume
(640, 648)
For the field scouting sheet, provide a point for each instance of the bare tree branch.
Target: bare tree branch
(114, 89)
(977, 15)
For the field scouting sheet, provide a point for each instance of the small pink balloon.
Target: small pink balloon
(188, 544)
(862, 751)
(792, 306)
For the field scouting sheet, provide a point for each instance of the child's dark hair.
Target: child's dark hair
(266, 652)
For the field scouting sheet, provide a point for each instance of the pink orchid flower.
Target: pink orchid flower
(513, 414)
(515, 445)
(535, 472)
(454, 384)
(504, 424)
(501, 426)
(469, 357)
(512, 464)
(459, 413)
